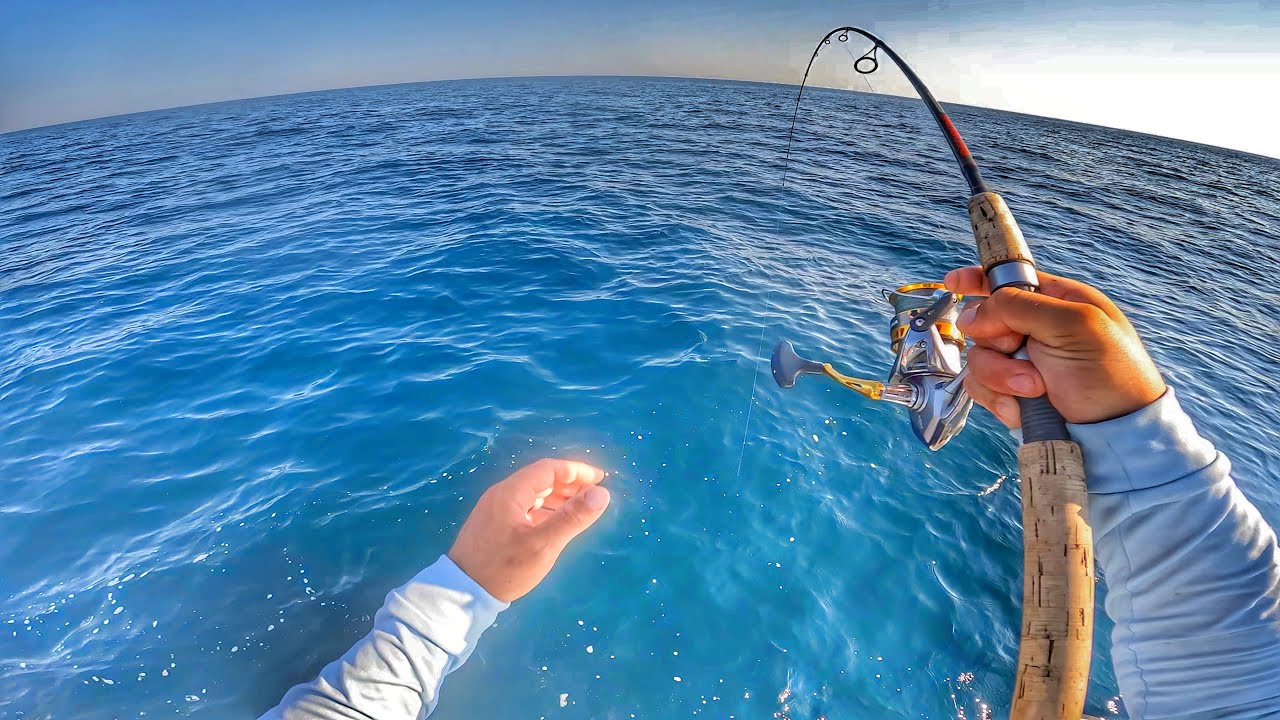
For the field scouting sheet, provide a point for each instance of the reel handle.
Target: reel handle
(786, 366)
(1056, 646)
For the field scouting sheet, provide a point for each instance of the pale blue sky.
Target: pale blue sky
(1186, 69)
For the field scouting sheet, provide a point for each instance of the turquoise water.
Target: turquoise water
(258, 359)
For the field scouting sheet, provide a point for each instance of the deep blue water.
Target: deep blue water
(258, 359)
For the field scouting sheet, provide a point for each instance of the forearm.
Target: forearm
(1192, 570)
(425, 630)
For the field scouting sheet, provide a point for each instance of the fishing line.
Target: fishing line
(777, 231)
(870, 56)
(866, 76)
(755, 381)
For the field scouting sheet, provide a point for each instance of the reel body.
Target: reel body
(928, 371)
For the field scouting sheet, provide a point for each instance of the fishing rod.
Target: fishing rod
(927, 378)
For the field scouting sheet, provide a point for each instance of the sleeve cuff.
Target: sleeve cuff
(455, 608)
(1152, 446)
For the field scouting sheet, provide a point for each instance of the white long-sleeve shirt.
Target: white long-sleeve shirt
(425, 630)
(1192, 569)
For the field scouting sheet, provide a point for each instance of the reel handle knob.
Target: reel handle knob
(786, 365)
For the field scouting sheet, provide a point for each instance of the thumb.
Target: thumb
(577, 514)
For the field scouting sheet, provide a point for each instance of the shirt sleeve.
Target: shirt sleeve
(1192, 570)
(425, 630)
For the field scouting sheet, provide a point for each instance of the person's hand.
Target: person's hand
(1084, 353)
(521, 525)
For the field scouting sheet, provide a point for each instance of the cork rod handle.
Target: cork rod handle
(1056, 643)
(1057, 584)
(998, 236)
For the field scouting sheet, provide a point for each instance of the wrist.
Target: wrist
(457, 577)
(1120, 404)
(463, 565)
(499, 575)
(1106, 389)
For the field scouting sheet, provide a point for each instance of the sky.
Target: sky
(1201, 71)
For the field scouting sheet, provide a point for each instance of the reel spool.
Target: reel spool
(928, 371)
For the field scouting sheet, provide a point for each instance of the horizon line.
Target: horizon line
(615, 75)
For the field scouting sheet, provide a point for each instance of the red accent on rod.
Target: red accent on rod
(955, 137)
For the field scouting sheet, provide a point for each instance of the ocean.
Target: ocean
(258, 359)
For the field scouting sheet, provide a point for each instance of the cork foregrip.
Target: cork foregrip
(1058, 584)
(995, 230)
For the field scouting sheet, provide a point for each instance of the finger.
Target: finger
(569, 490)
(1004, 374)
(577, 514)
(539, 516)
(559, 495)
(968, 281)
(544, 477)
(972, 280)
(1004, 407)
(1076, 291)
(1003, 344)
(545, 498)
(553, 502)
(1050, 320)
(987, 328)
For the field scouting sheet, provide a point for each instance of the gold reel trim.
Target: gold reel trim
(911, 287)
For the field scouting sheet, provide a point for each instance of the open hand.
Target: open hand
(520, 526)
(1084, 352)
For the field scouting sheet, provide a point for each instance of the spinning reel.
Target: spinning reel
(928, 373)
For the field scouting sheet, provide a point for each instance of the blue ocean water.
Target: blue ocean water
(258, 359)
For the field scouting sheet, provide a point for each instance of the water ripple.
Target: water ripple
(258, 359)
